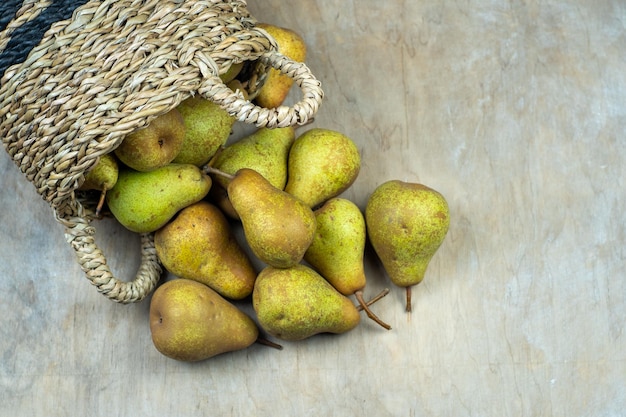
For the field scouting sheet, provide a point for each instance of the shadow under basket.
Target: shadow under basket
(78, 76)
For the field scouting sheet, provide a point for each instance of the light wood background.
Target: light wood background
(514, 111)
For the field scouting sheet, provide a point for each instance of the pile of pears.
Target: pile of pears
(260, 219)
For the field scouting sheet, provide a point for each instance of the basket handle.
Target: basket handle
(80, 235)
(245, 111)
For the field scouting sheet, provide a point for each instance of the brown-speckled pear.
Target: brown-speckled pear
(198, 244)
(322, 164)
(338, 248)
(406, 224)
(277, 226)
(297, 303)
(102, 177)
(191, 322)
(144, 201)
(277, 85)
(155, 145)
(265, 151)
(207, 128)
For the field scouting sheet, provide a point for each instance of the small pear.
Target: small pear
(322, 164)
(338, 248)
(191, 322)
(277, 226)
(145, 201)
(102, 177)
(265, 151)
(231, 73)
(297, 303)
(208, 127)
(277, 85)
(219, 196)
(198, 244)
(406, 224)
(155, 145)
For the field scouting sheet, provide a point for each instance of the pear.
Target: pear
(277, 85)
(406, 224)
(219, 197)
(198, 244)
(322, 164)
(208, 127)
(296, 303)
(231, 73)
(338, 248)
(145, 201)
(102, 177)
(265, 151)
(191, 322)
(277, 226)
(155, 145)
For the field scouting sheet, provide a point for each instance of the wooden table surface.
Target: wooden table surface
(514, 111)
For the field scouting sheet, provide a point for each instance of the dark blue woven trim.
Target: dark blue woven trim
(29, 35)
(7, 11)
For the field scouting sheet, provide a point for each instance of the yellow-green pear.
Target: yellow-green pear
(277, 85)
(406, 224)
(145, 201)
(322, 164)
(191, 322)
(198, 244)
(231, 73)
(296, 303)
(155, 145)
(102, 177)
(208, 127)
(338, 248)
(265, 151)
(277, 226)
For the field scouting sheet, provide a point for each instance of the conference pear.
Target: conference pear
(296, 303)
(277, 226)
(265, 151)
(406, 224)
(155, 145)
(338, 248)
(198, 244)
(208, 127)
(191, 322)
(102, 177)
(145, 201)
(322, 164)
(277, 85)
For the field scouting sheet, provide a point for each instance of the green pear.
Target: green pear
(191, 322)
(322, 164)
(338, 249)
(198, 244)
(102, 177)
(155, 145)
(231, 73)
(208, 127)
(265, 151)
(296, 303)
(277, 85)
(406, 224)
(145, 201)
(219, 196)
(277, 226)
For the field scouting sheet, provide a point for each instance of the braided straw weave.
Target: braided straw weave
(109, 70)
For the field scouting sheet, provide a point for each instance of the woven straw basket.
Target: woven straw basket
(78, 76)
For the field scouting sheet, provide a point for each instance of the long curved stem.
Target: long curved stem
(363, 304)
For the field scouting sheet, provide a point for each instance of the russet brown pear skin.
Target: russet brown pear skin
(277, 226)
(199, 244)
(406, 225)
(191, 322)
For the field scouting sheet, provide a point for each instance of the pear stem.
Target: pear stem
(375, 299)
(359, 297)
(265, 342)
(408, 299)
(101, 202)
(210, 170)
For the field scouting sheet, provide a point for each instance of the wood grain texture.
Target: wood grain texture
(514, 111)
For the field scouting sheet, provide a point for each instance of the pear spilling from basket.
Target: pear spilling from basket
(191, 322)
